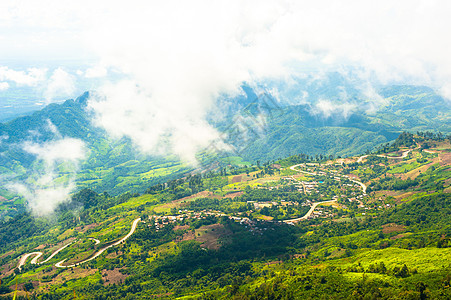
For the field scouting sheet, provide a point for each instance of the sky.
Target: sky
(178, 57)
(160, 66)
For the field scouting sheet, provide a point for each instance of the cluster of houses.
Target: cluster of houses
(162, 221)
(254, 226)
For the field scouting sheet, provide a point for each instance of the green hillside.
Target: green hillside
(237, 233)
(116, 166)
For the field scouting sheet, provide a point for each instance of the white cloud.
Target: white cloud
(60, 85)
(326, 108)
(95, 72)
(189, 53)
(4, 86)
(179, 56)
(54, 177)
(30, 77)
(65, 149)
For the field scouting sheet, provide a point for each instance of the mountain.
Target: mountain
(297, 129)
(267, 130)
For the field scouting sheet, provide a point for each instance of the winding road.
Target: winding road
(59, 264)
(404, 154)
(310, 212)
(314, 205)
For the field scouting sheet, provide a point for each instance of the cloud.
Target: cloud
(179, 57)
(4, 86)
(30, 77)
(60, 85)
(96, 72)
(53, 179)
(327, 109)
(155, 125)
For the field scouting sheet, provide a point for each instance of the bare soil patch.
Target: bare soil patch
(445, 159)
(392, 227)
(397, 236)
(113, 276)
(400, 197)
(267, 218)
(72, 273)
(20, 287)
(415, 172)
(180, 227)
(6, 254)
(86, 227)
(197, 195)
(190, 235)
(210, 234)
(233, 195)
(179, 202)
(236, 179)
(353, 176)
(7, 269)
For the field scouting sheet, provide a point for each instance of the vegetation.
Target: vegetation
(315, 224)
(206, 237)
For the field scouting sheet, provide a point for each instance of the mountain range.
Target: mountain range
(260, 128)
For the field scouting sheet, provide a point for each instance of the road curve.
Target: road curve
(404, 154)
(24, 258)
(293, 168)
(96, 241)
(34, 261)
(38, 254)
(98, 253)
(309, 213)
(359, 183)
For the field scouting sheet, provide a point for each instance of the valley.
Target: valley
(244, 150)
(368, 221)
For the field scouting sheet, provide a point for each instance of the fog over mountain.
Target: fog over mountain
(166, 73)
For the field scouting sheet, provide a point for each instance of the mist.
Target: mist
(52, 179)
(177, 58)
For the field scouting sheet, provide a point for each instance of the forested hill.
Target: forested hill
(374, 226)
(297, 129)
(115, 166)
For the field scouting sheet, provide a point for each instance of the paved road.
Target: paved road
(34, 261)
(24, 258)
(355, 181)
(429, 151)
(96, 241)
(309, 213)
(294, 169)
(98, 253)
(404, 154)
(359, 183)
